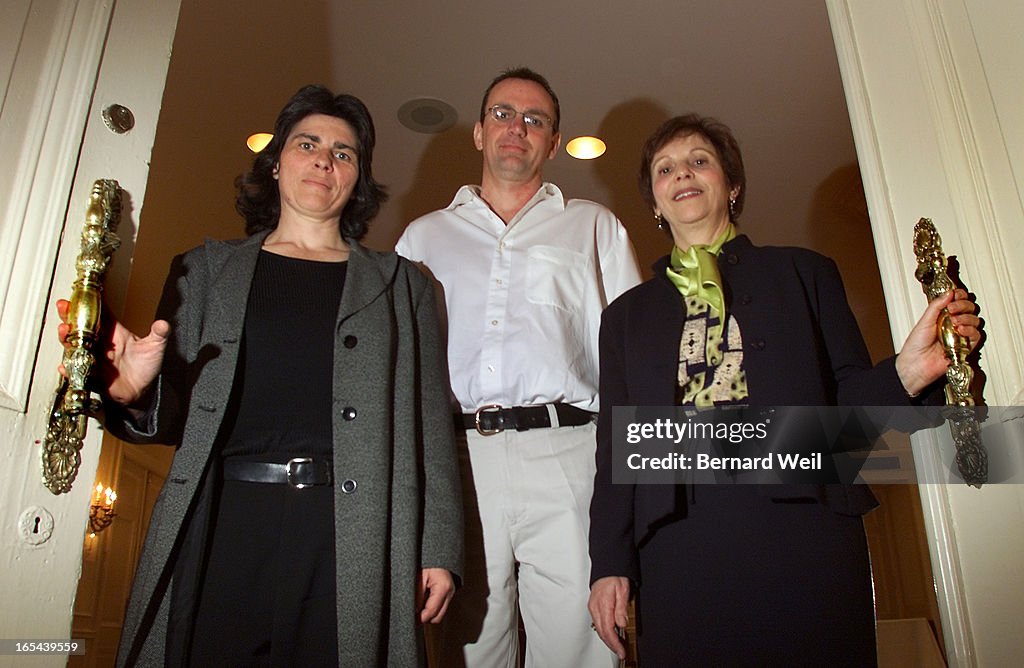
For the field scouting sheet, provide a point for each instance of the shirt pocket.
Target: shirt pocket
(556, 277)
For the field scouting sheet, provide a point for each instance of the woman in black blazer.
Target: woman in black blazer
(739, 574)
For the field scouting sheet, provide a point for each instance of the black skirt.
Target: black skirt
(745, 580)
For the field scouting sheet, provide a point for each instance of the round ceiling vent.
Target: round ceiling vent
(428, 115)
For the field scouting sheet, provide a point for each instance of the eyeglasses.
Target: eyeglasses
(534, 119)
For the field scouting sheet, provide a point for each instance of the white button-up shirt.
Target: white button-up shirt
(524, 300)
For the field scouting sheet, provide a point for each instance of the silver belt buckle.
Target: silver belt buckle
(292, 470)
(476, 420)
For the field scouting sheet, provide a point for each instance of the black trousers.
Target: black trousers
(268, 587)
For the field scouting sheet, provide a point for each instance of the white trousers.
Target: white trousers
(527, 497)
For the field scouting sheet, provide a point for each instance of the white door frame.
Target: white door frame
(929, 86)
(68, 60)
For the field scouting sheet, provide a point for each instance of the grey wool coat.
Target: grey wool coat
(392, 435)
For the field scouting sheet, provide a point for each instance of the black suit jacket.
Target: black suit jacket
(801, 347)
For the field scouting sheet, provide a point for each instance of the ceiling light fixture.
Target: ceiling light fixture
(428, 115)
(257, 142)
(585, 148)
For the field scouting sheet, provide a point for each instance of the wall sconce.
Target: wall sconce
(101, 512)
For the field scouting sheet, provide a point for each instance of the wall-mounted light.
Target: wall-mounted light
(258, 141)
(585, 148)
(101, 511)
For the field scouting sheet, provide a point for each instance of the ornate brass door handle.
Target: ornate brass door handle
(971, 457)
(73, 404)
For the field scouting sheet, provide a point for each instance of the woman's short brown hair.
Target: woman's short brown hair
(720, 137)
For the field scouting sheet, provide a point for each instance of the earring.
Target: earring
(660, 220)
(732, 208)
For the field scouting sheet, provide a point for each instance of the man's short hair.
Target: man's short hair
(529, 75)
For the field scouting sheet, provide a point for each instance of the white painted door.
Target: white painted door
(62, 62)
(936, 101)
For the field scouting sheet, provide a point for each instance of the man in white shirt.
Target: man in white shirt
(525, 277)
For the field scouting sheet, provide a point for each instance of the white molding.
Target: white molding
(940, 530)
(897, 279)
(41, 135)
(11, 30)
(876, 190)
(977, 171)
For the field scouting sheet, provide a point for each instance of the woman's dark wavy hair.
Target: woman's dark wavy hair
(259, 200)
(718, 134)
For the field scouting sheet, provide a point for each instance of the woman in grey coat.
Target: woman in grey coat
(311, 515)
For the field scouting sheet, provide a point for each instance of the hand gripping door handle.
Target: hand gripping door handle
(73, 403)
(971, 456)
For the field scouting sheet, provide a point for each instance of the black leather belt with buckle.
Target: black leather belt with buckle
(493, 419)
(298, 472)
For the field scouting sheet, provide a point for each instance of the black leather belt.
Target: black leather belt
(493, 419)
(298, 472)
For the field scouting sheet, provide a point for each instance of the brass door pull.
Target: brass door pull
(74, 404)
(971, 457)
